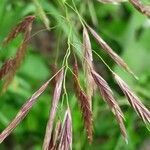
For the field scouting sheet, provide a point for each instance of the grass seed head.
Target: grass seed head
(135, 102)
(53, 110)
(84, 105)
(107, 95)
(19, 28)
(110, 51)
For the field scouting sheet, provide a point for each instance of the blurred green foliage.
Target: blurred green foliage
(125, 29)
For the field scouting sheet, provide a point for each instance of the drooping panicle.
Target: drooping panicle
(23, 112)
(134, 101)
(53, 110)
(66, 132)
(88, 65)
(110, 51)
(19, 28)
(107, 95)
(55, 139)
(6, 67)
(25, 26)
(84, 104)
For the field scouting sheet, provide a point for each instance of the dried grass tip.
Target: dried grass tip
(66, 132)
(23, 112)
(107, 95)
(20, 28)
(134, 101)
(87, 65)
(84, 104)
(111, 52)
(53, 110)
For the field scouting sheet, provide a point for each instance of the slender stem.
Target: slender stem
(57, 48)
(36, 33)
(104, 62)
(97, 55)
(77, 12)
(75, 76)
(66, 57)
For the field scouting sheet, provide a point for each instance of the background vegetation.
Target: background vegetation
(123, 27)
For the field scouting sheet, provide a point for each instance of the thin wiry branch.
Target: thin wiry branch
(84, 104)
(145, 10)
(107, 95)
(55, 100)
(66, 132)
(135, 102)
(110, 51)
(23, 112)
(42, 14)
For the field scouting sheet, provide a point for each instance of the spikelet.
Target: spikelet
(54, 142)
(110, 51)
(23, 112)
(17, 60)
(107, 95)
(134, 101)
(55, 100)
(145, 10)
(84, 104)
(57, 135)
(87, 65)
(20, 28)
(23, 47)
(121, 124)
(5, 69)
(87, 48)
(66, 132)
